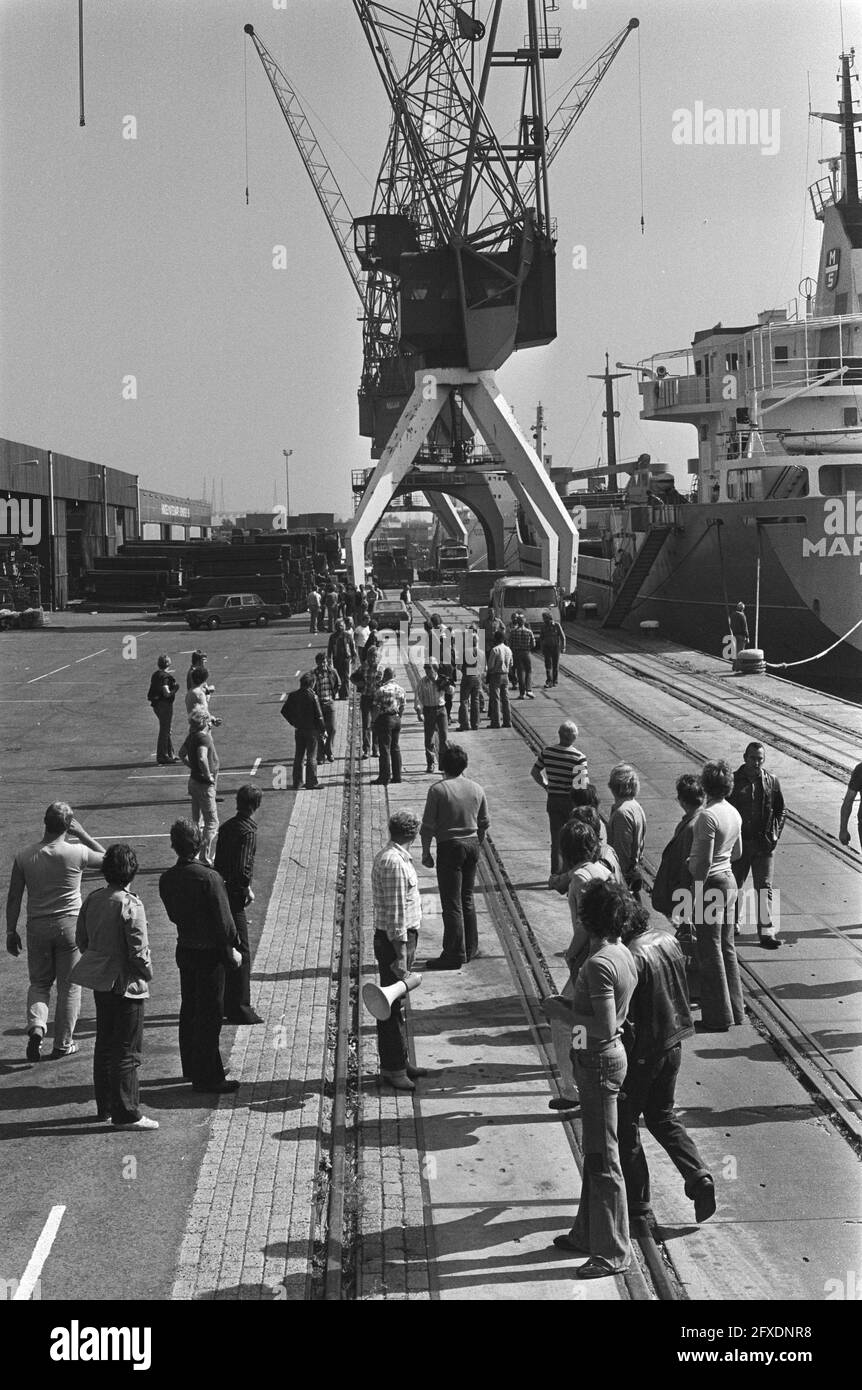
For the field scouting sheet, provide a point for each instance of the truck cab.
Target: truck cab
(523, 594)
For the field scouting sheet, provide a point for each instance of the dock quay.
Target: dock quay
(313, 1181)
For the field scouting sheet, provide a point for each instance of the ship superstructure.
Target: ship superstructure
(772, 518)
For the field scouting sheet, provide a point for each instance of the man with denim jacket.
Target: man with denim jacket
(659, 1017)
(758, 798)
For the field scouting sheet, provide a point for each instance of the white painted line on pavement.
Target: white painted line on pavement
(255, 767)
(33, 679)
(30, 1277)
(90, 657)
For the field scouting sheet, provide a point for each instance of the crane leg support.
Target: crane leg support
(428, 398)
(500, 430)
(444, 509)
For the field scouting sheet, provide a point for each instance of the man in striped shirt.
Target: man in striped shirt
(522, 642)
(560, 769)
(397, 918)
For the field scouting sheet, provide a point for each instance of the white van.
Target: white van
(521, 594)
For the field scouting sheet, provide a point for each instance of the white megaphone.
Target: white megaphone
(378, 999)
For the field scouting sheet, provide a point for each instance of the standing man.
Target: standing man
(163, 688)
(196, 902)
(199, 658)
(309, 729)
(397, 918)
(552, 641)
(430, 706)
(199, 692)
(560, 769)
(330, 599)
(498, 664)
(203, 764)
(739, 630)
(758, 798)
(470, 691)
(389, 701)
(314, 610)
(51, 872)
(456, 815)
(234, 860)
(341, 650)
(521, 643)
(325, 684)
(659, 1018)
(854, 787)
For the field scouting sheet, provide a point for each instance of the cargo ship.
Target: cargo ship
(773, 517)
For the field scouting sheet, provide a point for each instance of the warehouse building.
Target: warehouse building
(68, 511)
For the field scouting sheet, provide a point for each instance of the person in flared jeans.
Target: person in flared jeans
(51, 956)
(117, 1056)
(498, 699)
(721, 1000)
(457, 862)
(650, 1089)
(601, 1227)
(388, 730)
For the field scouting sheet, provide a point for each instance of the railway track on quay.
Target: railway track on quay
(835, 1092)
(653, 1275)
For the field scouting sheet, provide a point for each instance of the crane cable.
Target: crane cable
(245, 105)
(641, 128)
(81, 60)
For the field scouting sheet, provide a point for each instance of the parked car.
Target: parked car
(390, 616)
(233, 610)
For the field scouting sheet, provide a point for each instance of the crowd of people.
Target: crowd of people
(621, 1018)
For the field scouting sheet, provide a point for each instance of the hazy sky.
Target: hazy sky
(140, 257)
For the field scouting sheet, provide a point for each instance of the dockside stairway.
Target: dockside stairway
(643, 563)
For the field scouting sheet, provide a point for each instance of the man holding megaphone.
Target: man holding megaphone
(397, 915)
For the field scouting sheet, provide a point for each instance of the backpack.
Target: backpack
(291, 709)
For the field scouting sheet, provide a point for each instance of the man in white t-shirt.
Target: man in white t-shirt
(51, 871)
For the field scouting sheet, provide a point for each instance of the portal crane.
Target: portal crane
(455, 264)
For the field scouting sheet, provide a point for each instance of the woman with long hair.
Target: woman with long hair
(603, 989)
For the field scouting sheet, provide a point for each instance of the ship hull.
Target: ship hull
(810, 587)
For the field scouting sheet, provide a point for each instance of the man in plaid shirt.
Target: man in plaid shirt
(397, 917)
(389, 701)
(522, 642)
(325, 684)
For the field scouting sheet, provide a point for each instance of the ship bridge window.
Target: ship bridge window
(780, 352)
(836, 479)
(745, 484)
(731, 361)
(698, 367)
(851, 415)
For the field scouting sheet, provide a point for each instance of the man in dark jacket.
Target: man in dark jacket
(234, 860)
(758, 798)
(308, 729)
(163, 688)
(196, 902)
(659, 1018)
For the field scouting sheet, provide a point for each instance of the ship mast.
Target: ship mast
(610, 415)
